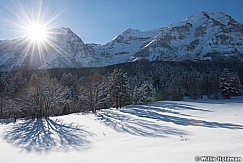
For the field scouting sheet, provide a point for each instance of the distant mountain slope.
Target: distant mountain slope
(206, 36)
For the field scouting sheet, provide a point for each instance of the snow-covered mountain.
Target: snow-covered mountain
(64, 49)
(206, 36)
(213, 36)
(125, 45)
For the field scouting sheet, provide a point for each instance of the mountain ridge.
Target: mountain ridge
(205, 36)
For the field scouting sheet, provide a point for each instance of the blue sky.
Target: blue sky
(99, 21)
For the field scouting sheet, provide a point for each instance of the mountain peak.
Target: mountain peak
(66, 33)
(218, 13)
(207, 14)
(212, 16)
(131, 30)
(62, 30)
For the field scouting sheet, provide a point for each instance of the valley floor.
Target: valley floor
(160, 132)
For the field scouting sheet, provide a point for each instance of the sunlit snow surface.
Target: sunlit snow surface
(160, 132)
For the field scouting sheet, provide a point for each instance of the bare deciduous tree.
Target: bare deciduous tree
(93, 92)
(46, 95)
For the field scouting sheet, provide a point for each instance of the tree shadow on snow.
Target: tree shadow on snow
(43, 135)
(224, 101)
(6, 121)
(154, 113)
(174, 106)
(135, 126)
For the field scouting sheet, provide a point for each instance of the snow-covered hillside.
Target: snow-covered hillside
(206, 36)
(160, 132)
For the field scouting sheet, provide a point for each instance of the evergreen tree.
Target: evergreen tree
(194, 84)
(215, 86)
(2, 102)
(210, 85)
(14, 82)
(70, 81)
(175, 90)
(143, 94)
(236, 84)
(226, 84)
(8, 107)
(119, 90)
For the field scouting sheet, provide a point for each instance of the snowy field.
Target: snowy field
(160, 132)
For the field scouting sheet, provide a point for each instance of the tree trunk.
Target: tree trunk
(117, 101)
(94, 110)
(1, 112)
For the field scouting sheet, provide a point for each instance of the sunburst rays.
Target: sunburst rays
(36, 38)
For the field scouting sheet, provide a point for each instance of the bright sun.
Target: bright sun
(37, 33)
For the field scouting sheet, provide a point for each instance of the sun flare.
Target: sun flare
(36, 33)
(34, 24)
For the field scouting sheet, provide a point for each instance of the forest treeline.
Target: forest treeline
(44, 93)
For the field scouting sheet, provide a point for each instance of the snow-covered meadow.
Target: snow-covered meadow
(164, 131)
